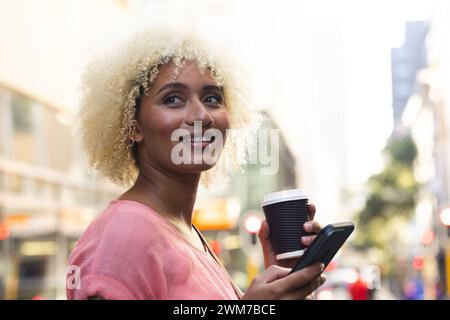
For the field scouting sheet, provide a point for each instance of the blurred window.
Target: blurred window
(40, 186)
(56, 189)
(31, 277)
(2, 181)
(24, 141)
(14, 183)
(21, 114)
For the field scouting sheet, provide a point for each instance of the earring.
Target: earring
(132, 133)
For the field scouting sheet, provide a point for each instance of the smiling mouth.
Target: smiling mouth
(196, 140)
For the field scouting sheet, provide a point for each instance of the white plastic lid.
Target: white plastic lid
(285, 195)
(289, 255)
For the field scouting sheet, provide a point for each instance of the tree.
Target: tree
(390, 202)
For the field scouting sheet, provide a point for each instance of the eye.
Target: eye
(213, 99)
(172, 99)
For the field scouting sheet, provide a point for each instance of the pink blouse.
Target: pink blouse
(131, 252)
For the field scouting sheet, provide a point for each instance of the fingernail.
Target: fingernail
(306, 240)
(322, 267)
(308, 226)
(323, 278)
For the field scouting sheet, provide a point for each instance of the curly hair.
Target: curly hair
(113, 83)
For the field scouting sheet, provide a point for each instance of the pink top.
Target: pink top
(131, 252)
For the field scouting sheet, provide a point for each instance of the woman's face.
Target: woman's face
(190, 103)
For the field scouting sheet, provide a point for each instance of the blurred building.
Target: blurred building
(251, 187)
(221, 217)
(406, 61)
(47, 195)
(427, 114)
(435, 98)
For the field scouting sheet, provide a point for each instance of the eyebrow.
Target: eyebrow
(182, 86)
(212, 87)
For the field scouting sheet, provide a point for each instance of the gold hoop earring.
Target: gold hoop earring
(131, 143)
(132, 133)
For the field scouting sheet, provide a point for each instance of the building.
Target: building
(406, 61)
(221, 216)
(435, 97)
(427, 115)
(47, 195)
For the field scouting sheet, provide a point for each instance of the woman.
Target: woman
(144, 245)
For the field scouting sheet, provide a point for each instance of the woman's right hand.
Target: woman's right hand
(275, 283)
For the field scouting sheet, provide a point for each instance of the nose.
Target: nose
(197, 112)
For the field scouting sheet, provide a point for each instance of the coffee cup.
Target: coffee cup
(286, 212)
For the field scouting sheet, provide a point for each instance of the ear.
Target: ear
(136, 133)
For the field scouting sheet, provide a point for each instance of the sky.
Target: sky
(335, 76)
(369, 29)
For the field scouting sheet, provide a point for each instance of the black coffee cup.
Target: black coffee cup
(286, 212)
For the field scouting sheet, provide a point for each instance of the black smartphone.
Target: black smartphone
(327, 243)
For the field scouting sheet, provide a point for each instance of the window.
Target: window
(2, 181)
(24, 140)
(21, 114)
(15, 183)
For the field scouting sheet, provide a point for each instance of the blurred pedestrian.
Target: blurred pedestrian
(358, 290)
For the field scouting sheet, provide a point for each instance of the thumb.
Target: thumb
(263, 236)
(274, 272)
(263, 233)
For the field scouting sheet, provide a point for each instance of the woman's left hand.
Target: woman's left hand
(269, 256)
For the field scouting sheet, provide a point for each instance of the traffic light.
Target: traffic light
(252, 224)
(445, 219)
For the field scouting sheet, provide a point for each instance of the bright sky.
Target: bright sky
(362, 34)
(322, 67)
(369, 29)
(368, 67)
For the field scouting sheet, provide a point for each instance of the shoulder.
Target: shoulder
(120, 247)
(125, 222)
(125, 228)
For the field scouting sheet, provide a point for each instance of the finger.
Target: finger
(307, 240)
(316, 283)
(313, 285)
(273, 273)
(303, 292)
(300, 293)
(312, 226)
(323, 278)
(287, 263)
(312, 211)
(300, 278)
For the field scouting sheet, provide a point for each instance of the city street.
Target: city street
(343, 107)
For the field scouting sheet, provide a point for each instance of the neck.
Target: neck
(170, 194)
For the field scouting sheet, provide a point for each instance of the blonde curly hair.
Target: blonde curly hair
(114, 81)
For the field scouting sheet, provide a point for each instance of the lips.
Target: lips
(196, 140)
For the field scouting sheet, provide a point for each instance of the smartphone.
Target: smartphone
(327, 243)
